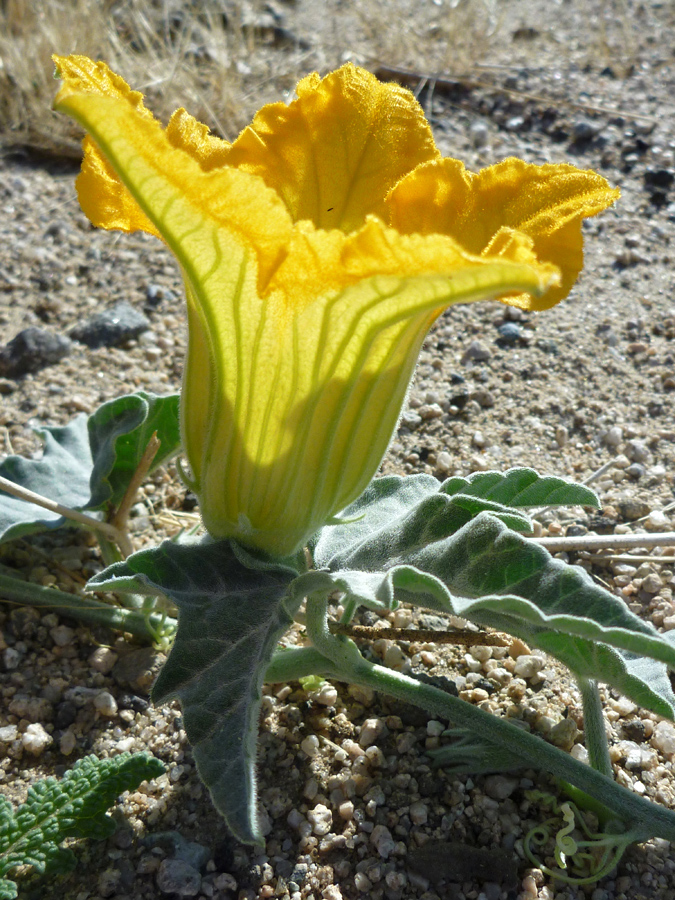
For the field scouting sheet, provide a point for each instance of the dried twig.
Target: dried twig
(121, 515)
(81, 518)
(423, 635)
(606, 542)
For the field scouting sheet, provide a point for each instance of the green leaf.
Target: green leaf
(230, 617)
(89, 462)
(119, 432)
(496, 578)
(62, 475)
(75, 806)
(394, 515)
(522, 487)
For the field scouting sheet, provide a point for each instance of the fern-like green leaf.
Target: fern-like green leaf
(75, 806)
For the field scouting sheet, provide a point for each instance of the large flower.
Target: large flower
(317, 250)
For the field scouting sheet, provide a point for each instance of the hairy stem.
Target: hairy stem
(89, 611)
(594, 727)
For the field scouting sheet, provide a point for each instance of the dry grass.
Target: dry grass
(190, 54)
(222, 59)
(219, 58)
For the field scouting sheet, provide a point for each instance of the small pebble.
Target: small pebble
(35, 739)
(102, 660)
(371, 731)
(177, 877)
(105, 703)
(321, 819)
(476, 352)
(116, 325)
(527, 665)
(31, 350)
(663, 739)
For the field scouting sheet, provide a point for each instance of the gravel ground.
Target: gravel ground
(349, 795)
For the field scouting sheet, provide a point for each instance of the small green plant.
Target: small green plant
(74, 807)
(317, 249)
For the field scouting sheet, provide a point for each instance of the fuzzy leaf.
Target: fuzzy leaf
(395, 515)
(88, 462)
(75, 806)
(230, 617)
(496, 578)
(62, 475)
(522, 487)
(119, 432)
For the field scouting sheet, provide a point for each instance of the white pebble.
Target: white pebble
(663, 739)
(67, 743)
(11, 658)
(321, 819)
(371, 730)
(35, 739)
(419, 813)
(105, 703)
(346, 810)
(326, 695)
(527, 666)
(332, 892)
(8, 733)
(382, 840)
(444, 462)
(310, 745)
(102, 660)
(62, 635)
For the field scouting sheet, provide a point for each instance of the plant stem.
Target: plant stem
(594, 726)
(89, 611)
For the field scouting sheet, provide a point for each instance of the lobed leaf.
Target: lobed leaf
(89, 462)
(75, 806)
(496, 578)
(230, 617)
(395, 515)
(522, 487)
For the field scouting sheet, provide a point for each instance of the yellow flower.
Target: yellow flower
(317, 249)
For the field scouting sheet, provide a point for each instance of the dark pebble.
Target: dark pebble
(66, 713)
(659, 178)
(584, 131)
(575, 530)
(635, 471)
(116, 325)
(132, 702)
(177, 877)
(456, 378)
(31, 350)
(509, 333)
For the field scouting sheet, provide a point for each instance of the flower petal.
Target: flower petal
(484, 211)
(202, 216)
(103, 197)
(335, 152)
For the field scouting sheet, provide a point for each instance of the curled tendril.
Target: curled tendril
(587, 855)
